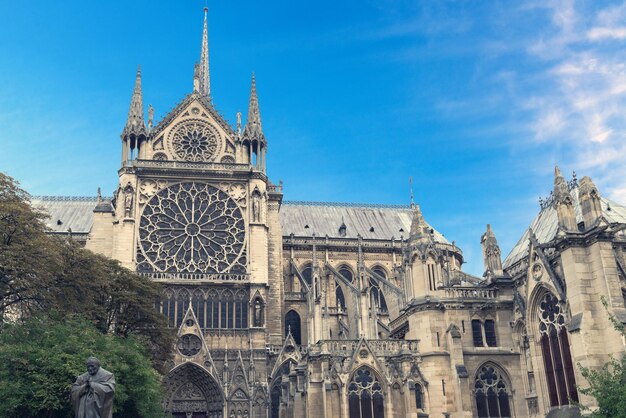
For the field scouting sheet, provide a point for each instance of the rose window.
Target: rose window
(195, 141)
(191, 228)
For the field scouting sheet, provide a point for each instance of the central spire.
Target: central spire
(204, 76)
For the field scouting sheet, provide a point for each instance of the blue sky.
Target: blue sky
(476, 101)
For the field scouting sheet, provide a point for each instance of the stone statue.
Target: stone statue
(258, 318)
(128, 202)
(92, 393)
(256, 207)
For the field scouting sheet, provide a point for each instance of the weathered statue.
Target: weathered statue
(92, 393)
(256, 206)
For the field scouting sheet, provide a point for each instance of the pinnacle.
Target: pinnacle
(253, 129)
(135, 123)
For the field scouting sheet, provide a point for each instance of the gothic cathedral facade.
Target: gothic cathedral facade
(301, 309)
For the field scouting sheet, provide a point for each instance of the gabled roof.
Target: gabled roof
(73, 212)
(545, 225)
(323, 218)
(206, 102)
(367, 220)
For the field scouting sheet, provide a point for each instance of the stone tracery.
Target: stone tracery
(191, 228)
(195, 141)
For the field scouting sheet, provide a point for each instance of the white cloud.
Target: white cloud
(598, 33)
(583, 100)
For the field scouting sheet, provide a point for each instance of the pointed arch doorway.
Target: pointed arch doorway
(191, 392)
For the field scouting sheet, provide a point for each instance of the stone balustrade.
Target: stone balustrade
(211, 277)
(471, 293)
(380, 348)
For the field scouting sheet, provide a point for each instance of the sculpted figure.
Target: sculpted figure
(256, 207)
(128, 203)
(92, 393)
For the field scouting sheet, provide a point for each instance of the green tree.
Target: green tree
(42, 273)
(28, 257)
(608, 384)
(41, 356)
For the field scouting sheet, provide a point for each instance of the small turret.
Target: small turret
(590, 205)
(135, 132)
(491, 254)
(253, 137)
(563, 203)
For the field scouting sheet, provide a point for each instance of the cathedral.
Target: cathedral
(289, 309)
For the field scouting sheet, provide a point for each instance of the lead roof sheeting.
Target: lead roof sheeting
(322, 218)
(545, 226)
(74, 213)
(325, 219)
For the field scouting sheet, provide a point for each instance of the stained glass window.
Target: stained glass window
(365, 395)
(556, 353)
(191, 228)
(477, 333)
(490, 333)
(491, 394)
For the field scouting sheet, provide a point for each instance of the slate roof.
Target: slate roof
(545, 225)
(370, 221)
(73, 212)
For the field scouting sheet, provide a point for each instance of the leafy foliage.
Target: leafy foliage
(608, 384)
(41, 356)
(59, 304)
(42, 273)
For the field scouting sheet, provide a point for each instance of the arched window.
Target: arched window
(491, 394)
(275, 401)
(341, 300)
(213, 310)
(198, 306)
(477, 332)
(307, 274)
(292, 324)
(365, 395)
(241, 309)
(169, 307)
(557, 358)
(346, 272)
(378, 298)
(226, 309)
(380, 271)
(490, 333)
(419, 397)
(182, 306)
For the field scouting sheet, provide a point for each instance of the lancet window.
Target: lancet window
(491, 393)
(292, 324)
(365, 395)
(341, 299)
(484, 333)
(419, 397)
(220, 308)
(555, 349)
(307, 274)
(377, 295)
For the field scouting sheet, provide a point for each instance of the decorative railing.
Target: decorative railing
(379, 347)
(186, 165)
(273, 188)
(471, 293)
(213, 277)
(295, 296)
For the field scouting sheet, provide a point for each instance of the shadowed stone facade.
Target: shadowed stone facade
(301, 309)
